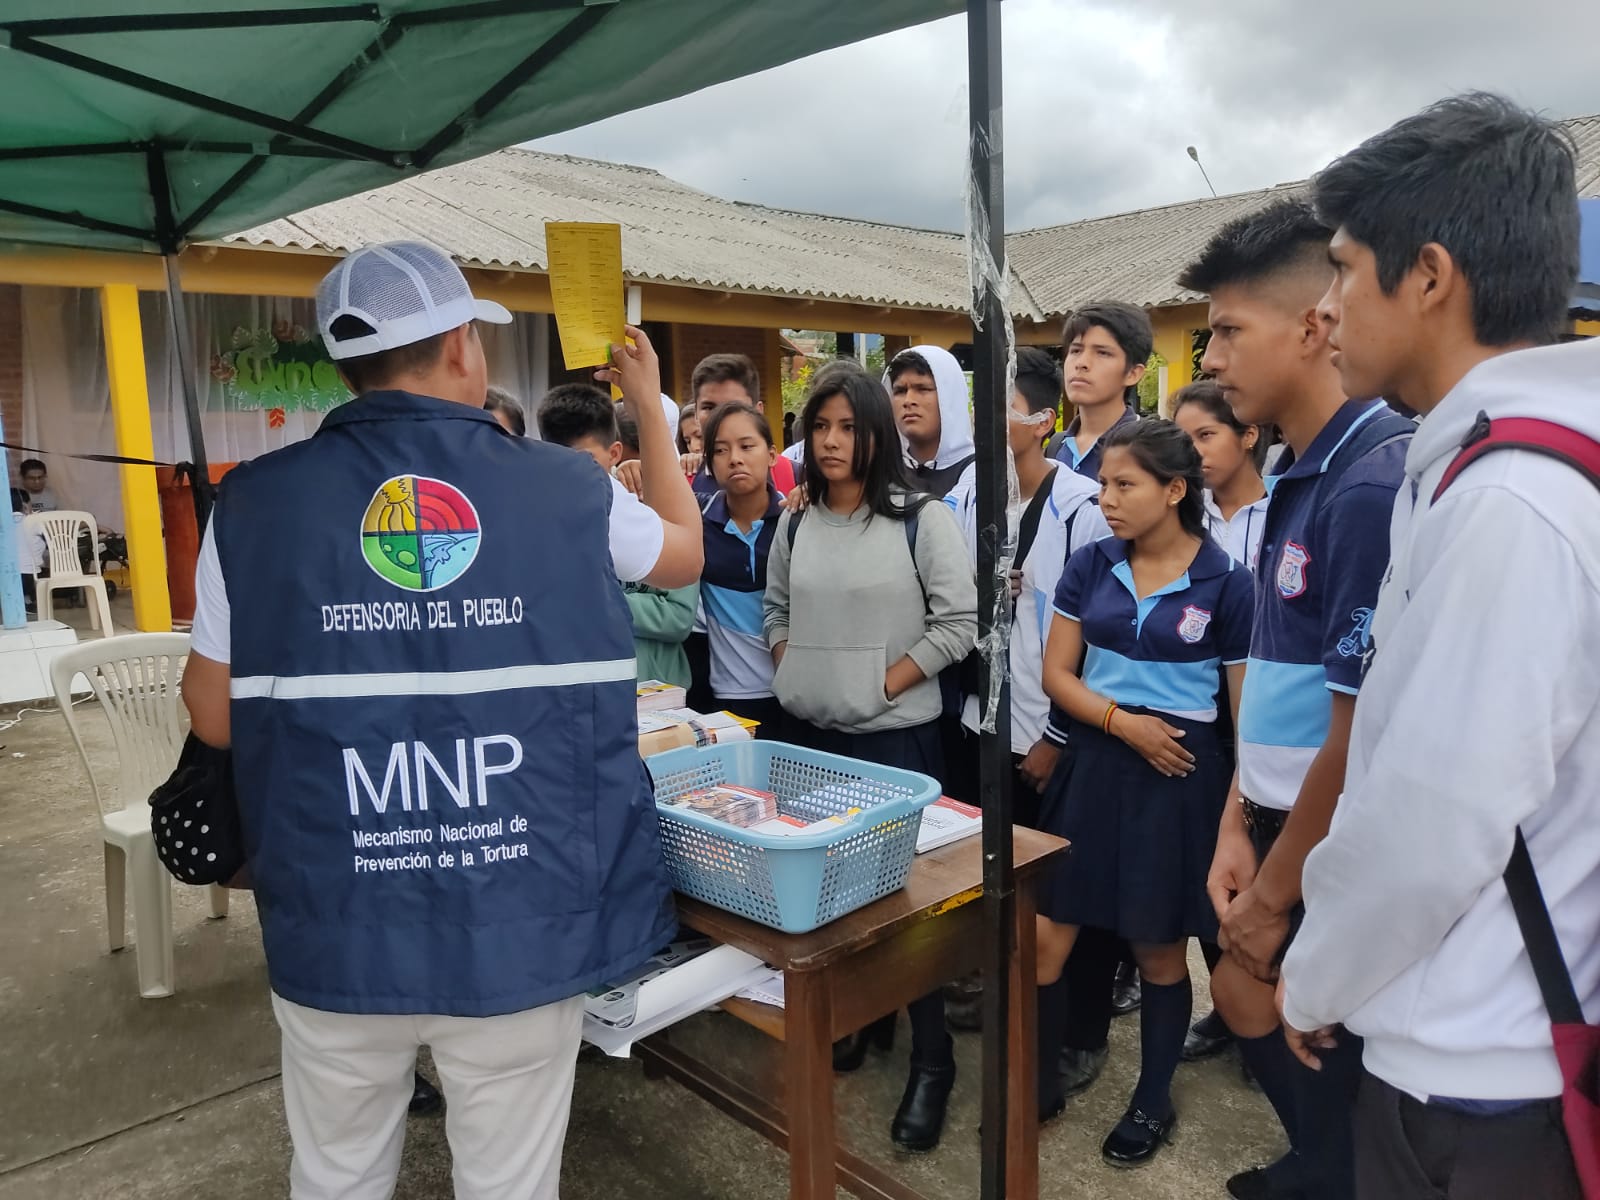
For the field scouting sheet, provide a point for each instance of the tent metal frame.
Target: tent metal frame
(293, 137)
(299, 137)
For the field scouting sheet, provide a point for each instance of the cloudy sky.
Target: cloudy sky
(1102, 97)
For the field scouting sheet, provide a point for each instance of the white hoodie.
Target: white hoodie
(955, 409)
(1481, 712)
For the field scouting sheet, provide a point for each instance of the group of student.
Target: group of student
(1309, 719)
(1189, 638)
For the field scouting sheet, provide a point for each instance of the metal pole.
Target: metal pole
(183, 347)
(989, 427)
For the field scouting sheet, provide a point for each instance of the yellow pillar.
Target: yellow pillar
(130, 410)
(1174, 344)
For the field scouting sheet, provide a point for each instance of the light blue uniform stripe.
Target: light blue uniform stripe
(1284, 704)
(1175, 687)
(738, 611)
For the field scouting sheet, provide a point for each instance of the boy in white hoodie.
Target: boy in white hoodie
(933, 409)
(1455, 253)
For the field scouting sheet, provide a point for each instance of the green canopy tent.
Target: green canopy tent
(145, 125)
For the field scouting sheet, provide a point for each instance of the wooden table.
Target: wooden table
(850, 972)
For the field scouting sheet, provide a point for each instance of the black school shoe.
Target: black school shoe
(1208, 1037)
(425, 1098)
(1279, 1181)
(1126, 993)
(1137, 1138)
(1080, 1068)
(919, 1121)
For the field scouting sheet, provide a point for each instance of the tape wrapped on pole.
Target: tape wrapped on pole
(984, 274)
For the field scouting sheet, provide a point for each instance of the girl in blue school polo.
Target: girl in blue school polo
(1151, 613)
(1231, 454)
(739, 522)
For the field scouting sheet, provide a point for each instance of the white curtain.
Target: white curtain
(519, 359)
(263, 380)
(66, 399)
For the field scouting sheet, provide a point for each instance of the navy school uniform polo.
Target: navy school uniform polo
(1161, 651)
(1087, 464)
(1324, 550)
(732, 588)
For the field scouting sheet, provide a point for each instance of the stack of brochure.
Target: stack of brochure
(945, 821)
(655, 695)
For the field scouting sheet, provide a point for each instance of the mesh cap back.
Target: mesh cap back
(403, 292)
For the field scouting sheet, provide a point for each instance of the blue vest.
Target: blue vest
(434, 731)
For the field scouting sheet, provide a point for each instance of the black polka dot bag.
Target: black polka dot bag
(195, 817)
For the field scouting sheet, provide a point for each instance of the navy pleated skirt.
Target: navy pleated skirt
(1141, 842)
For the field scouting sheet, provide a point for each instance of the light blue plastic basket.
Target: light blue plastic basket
(790, 883)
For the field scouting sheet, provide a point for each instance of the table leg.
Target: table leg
(1022, 1102)
(808, 1061)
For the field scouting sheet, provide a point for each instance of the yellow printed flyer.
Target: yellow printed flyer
(586, 286)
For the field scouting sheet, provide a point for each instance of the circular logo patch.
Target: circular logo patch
(420, 533)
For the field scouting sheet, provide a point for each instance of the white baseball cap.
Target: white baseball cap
(402, 292)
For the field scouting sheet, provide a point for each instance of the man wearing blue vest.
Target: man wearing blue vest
(410, 630)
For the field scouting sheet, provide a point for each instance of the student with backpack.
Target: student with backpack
(1473, 782)
(1059, 514)
(870, 595)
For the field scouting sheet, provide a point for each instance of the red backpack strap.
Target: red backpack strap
(1578, 451)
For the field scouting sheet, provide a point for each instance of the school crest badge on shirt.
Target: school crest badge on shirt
(1292, 570)
(1193, 626)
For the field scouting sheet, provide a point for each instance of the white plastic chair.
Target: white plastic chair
(61, 531)
(135, 678)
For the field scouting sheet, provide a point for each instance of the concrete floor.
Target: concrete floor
(109, 1096)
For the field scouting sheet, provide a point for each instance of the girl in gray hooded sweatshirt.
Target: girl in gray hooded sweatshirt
(870, 594)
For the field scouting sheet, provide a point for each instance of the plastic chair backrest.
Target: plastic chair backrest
(135, 678)
(61, 531)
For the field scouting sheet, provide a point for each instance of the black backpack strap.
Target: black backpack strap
(1539, 935)
(1031, 516)
(910, 525)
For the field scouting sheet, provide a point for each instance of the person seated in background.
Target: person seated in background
(30, 548)
(36, 480)
(581, 417)
(507, 409)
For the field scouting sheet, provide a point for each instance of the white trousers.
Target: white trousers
(347, 1081)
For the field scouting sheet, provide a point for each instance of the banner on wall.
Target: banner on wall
(278, 369)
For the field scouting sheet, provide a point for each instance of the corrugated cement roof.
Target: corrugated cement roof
(492, 211)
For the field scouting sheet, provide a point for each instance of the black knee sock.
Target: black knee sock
(1212, 953)
(930, 1041)
(1163, 1023)
(1325, 1101)
(1278, 1072)
(1052, 1029)
(1088, 976)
